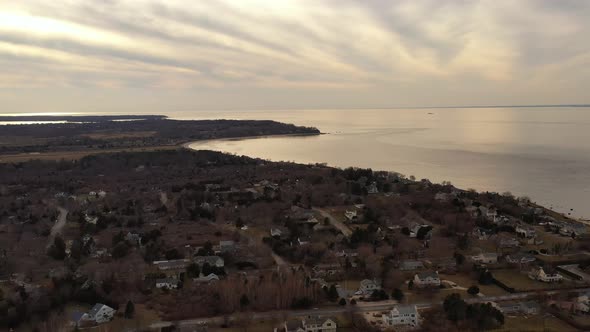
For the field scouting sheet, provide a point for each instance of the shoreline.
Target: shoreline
(186, 145)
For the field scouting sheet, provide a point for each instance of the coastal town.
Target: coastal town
(182, 240)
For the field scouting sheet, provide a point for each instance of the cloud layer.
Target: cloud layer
(246, 54)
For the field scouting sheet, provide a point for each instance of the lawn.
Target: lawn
(463, 280)
(521, 282)
(535, 323)
(77, 154)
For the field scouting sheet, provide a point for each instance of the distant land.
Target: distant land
(72, 137)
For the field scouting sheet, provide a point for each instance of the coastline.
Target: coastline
(186, 145)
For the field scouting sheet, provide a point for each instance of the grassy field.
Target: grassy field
(535, 323)
(75, 155)
(521, 282)
(465, 281)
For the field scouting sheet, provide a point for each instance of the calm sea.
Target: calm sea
(543, 153)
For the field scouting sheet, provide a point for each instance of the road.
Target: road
(59, 224)
(360, 307)
(335, 222)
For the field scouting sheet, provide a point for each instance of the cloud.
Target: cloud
(354, 53)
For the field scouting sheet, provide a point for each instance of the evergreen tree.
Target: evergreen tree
(129, 310)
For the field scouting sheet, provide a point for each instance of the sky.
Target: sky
(148, 56)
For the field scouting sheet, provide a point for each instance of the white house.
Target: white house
(169, 283)
(350, 215)
(368, 286)
(525, 232)
(427, 279)
(101, 313)
(402, 315)
(310, 324)
(583, 303)
(485, 258)
(90, 219)
(372, 188)
(520, 258)
(317, 324)
(541, 275)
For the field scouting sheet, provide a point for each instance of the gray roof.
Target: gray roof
(173, 264)
(406, 309)
(411, 265)
(316, 320)
(97, 308)
(424, 275)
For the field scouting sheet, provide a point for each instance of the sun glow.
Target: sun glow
(48, 28)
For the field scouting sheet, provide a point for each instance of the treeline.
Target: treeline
(145, 132)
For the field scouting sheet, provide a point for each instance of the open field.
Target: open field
(436, 295)
(136, 134)
(535, 323)
(75, 155)
(521, 282)
(465, 281)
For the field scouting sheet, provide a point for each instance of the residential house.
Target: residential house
(415, 228)
(318, 324)
(372, 188)
(212, 277)
(90, 219)
(100, 313)
(482, 233)
(583, 303)
(211, 260)
(327, 270)
(351, 215)
(574, 271)
(227, 246)
(513, 307)
(520, 258)
(168, 283)
(410, 265)
(402, 315)
(541, 274)
(525, 232)
(427, 279)
(309, 324)
(275, 232)
(368, 286)
(172, 268)
(508, 242)
(303, 240)
(133, 238)
(485, 258)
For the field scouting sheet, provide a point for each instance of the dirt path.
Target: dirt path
(335, 222)
(59, 224)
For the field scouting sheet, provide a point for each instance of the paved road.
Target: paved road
(360, 307)
(59, 225)
(335, 222)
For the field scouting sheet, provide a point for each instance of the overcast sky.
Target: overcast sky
(134, 56)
